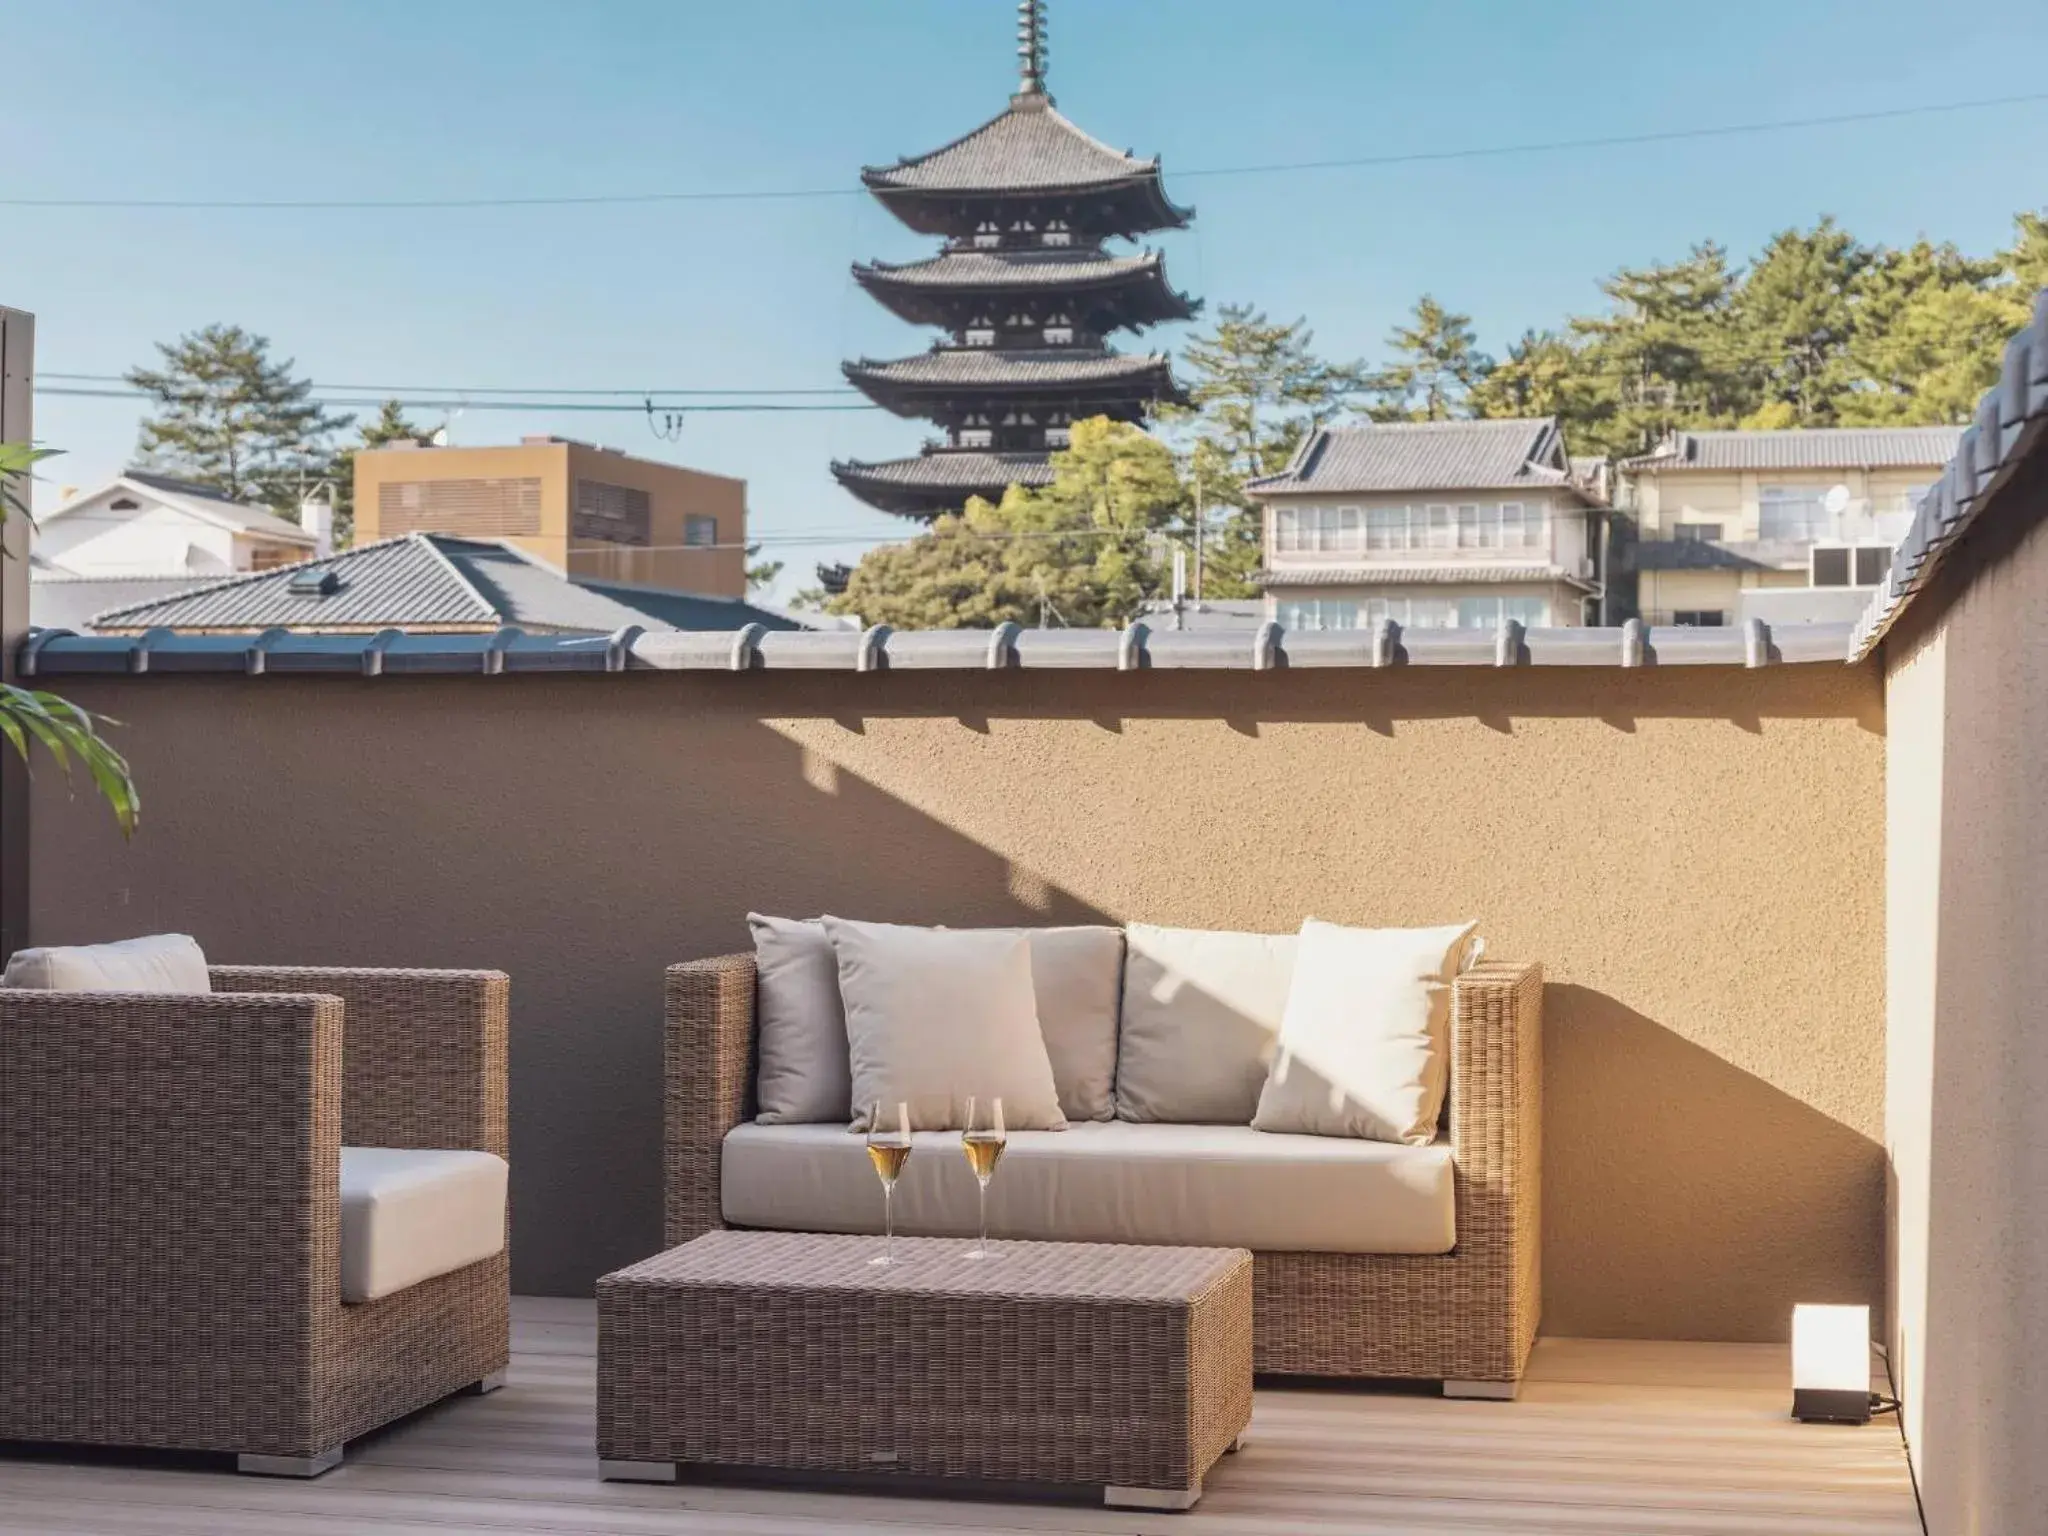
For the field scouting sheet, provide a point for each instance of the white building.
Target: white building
(144, 524)
(1441, 524)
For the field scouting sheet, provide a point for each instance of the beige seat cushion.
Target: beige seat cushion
(1206, 1185)
(1364, 1046)
(407, 1216)
(1201, 1010)
(801, 1027)
(1077, 976)
(936, 1016)
(164, 962)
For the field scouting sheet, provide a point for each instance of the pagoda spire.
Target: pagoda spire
(1031, 47)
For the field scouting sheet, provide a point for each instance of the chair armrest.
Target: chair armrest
(708, 1066)
(169, 1184)
(1497, 1129)
(425, 1061)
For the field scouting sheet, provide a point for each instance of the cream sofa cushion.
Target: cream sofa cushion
(407, 1216)
(935, 1016)
(1363, 1042)
(800, 1025)
(1225, 1186)
(164, 962)
(1077, 977)
(1201, 1010)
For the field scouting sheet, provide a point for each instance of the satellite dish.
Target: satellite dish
(1836, 501)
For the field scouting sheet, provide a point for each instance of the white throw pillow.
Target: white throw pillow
(164, 962)
(1201, 1011)
(1364, 1044)
(803, 1077)
(936, 1015)
(1077, 975)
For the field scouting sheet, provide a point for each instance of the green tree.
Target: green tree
(1257, 390)
(1437, 365)
(228, 416)
(1078, 553)
(390, 425)
(1793, 321)
(761, 573)
(1931, 327)
(1547, 374)
(67, 732)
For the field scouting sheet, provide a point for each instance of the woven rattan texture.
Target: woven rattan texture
(170, 1207)
(1470, 1314)
(1050, 1363)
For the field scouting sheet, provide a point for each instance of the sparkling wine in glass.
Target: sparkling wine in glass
(983, 1141)
(888, 1150)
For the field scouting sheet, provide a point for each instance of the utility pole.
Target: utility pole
(1201, 532)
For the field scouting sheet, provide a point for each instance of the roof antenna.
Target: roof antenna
(1031, 47)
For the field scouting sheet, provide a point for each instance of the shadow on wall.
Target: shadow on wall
(583, 834)
(1698, 1162)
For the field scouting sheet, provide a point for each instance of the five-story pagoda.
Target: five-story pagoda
(1027, 293)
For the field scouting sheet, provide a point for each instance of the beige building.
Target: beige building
(595, 513)
(1434, 525)
(1783, 526)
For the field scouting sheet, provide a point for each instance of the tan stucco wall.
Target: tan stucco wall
(674, 493)
(1693, 854)
(1967, 1108)
(1665, 497)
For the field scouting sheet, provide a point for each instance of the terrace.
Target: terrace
(1783, 885)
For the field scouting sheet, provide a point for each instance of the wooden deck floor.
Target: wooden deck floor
(1607, 1437)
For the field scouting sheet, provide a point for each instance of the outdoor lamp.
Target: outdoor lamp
(1831, 1364)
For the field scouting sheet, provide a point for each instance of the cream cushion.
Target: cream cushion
(802, 1072)
(1077, 978)
(164, 962)
(1363, 1042)
(935, 1016)
(1225, 1186)
(1201, 1010)
(407, 1216)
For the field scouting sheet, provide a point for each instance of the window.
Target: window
(1793, 513)
(481, 508)
(268, 557)
(1850, 565)
(1059, 437)
(615, 514)
(1488, 612)
(1699, 618)
(1386, 528)
(1439, 528)
(978, 336)
(974, 437)
(700, 531)
(1059, 335)
(1318, 613)
(1318, 530)
(1473, 534)
(1696, 533)
(1830, 567)
(1873, 565)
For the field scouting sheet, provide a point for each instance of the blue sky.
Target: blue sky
(210, 99)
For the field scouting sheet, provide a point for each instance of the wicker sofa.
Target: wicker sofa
(170, 1222)
(1466, 1317)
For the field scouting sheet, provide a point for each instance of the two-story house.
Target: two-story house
(1783, 526)
(1438, 524)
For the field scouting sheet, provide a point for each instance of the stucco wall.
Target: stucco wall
(1968, 970)
(1695, 855)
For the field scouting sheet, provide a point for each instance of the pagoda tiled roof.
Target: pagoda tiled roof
(1005, 368)
(1029, 147)
(1013, 269)
(960, 470)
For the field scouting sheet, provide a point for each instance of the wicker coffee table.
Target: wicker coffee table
(1124, 1370)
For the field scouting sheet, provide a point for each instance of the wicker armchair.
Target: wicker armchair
(1466, 1318)
(170, 1209)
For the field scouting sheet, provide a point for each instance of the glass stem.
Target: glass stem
(889, 1222)
(984, 1218)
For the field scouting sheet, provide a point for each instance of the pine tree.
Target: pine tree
(1546, 374)
(1931, 326)
(229, 417)
(1794, 319)
(1437, 365)
(391, 425)
(1666, 352)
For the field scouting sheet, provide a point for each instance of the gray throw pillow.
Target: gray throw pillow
(1201, 1013)
(1077, 974)
(800, 1025)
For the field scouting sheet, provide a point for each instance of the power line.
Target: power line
(739, 195)
(464, 403)
(493, 389)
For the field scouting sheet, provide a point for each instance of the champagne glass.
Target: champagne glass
(888, 1150)
(983, 1141)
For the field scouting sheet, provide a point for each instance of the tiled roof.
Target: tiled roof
(2009, 434)
(1396, 573)
(1002, 368)
(203, 501)
(1013, 269)
(954, 470)
(1803, 448)
(1029, 146)
(428, 582)
(1425, 456)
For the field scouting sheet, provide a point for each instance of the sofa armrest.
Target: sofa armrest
(169, 1192)
(708, 1061)
(425, 1060)
(1497, 1131)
